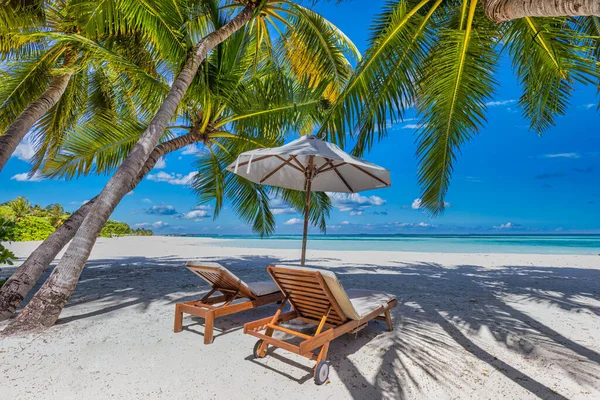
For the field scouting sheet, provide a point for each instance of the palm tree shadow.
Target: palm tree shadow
(440, 308)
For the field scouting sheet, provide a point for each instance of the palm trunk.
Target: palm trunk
(26, 276)
(506, 10)
(19, 128)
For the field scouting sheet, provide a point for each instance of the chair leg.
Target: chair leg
(388, 320)
(178, 326)
(322, 354)
(209, 323)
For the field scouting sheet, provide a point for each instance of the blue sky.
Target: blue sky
(507, 179)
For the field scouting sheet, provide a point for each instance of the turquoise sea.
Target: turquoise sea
(520, 244)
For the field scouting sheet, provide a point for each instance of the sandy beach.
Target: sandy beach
(468, 326)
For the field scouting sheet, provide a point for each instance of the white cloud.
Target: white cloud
(79, 203)
(279, 206)
(589, 106)
(410, 225)
(355, 213)
(345, 200)
(129, 194)
(195, 214)
(193, 149)
(24, 151)
(161, 209)
(202, 207)
(147, 200)
(159, 224)
(24, 177)
(161, 163)
(293, 221)
(418, 203)
(500, 103)
(508, 225)
(173, 179)
(561, 155)
(141, 225)
(414, 126)
(345, 222)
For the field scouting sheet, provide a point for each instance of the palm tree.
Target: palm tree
(56, 213)
(213, 114)
(441, 57)
(21, 207)
(48, 60)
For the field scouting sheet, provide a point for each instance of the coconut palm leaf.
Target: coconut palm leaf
(548, 59)
(309, 36)
(25, 79)
(457, 80)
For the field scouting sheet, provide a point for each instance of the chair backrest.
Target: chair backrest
(310, 294)
(220, 278)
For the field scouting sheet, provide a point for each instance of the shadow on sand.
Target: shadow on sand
(440, 309)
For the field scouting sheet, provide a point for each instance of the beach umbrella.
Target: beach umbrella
(312, 165)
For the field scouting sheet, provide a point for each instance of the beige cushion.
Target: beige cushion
(262, 288)
(256, 288)
(365, 301)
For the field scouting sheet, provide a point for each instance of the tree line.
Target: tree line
(22, 221)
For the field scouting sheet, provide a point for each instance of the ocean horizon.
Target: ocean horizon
(574, 244)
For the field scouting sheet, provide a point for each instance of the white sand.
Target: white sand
(468, 326)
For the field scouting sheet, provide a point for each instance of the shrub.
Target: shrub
(115, 228)
(7, 228)
(32, 228)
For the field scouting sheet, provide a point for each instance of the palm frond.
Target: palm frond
(457, 79)
(548, 59)
(26, 79)
(396, 29)
(317, 50)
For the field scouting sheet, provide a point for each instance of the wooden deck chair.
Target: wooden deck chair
(231, 288)
(317, 297)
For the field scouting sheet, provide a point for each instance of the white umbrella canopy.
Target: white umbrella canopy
(333, 170)
(312, 165)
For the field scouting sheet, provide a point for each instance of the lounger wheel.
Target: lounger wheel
(255, 352)
(322, 372)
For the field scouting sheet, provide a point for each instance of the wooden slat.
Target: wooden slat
(311, 302)
(305, 291)
(299, 278)
(295, 283)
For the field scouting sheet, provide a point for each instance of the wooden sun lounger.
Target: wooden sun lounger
(317, 297)
(231, 288)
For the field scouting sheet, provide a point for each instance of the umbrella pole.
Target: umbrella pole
(306, 208)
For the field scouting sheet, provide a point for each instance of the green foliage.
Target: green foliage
(6, 235)
(32, 228)
(56, 214)
(142, 232)
(6, 212)
(115, 228)
(21, 221)
(20, 207)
